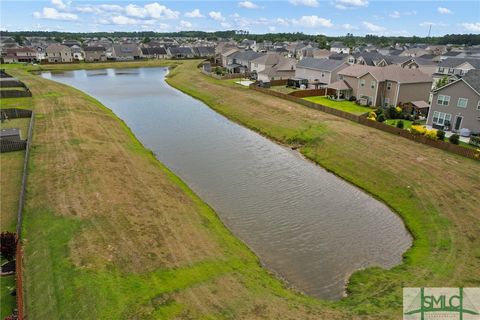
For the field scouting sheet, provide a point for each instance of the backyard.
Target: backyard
(345, 105)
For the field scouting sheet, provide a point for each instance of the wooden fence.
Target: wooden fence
(227, 76)
(312, 93)
(12, 145)
(15, 93)
(466, 152)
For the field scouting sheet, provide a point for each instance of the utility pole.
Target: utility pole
(429, 30)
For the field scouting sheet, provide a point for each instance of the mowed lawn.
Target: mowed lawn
(347, 106)
(110, 233)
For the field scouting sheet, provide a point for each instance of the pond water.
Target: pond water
(307, 225)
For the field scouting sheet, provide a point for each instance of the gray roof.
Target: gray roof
(246, 55)
(451, 53)
(370, 57)
(101, 49)
(337, 44)
(454, 62)
(473, 79)
(320, 64)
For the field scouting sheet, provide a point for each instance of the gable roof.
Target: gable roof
(390, 73)
(268, 59)
(246, 55)
(472, 79)
(87, 49)
(320, 64)
(455, 62)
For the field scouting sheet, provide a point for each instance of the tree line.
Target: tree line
(349, 39)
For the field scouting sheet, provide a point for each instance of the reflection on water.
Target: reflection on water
(307, 225)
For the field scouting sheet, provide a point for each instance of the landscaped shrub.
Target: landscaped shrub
(7, 245)
(419, 130)
(475, 140)
(476, 155)
(372, 116)
(352, 98)
(381, 118)
(440, 135)
(454, 138)
(431, 134)
(392, 113)
(400, 124)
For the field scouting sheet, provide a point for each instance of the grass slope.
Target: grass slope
(110, 233)
(435, 192)
(347, 106)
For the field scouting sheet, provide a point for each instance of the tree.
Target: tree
(19, 39)
(440, 83)
(146, 40)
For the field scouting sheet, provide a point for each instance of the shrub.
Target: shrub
(7, 245)
(392, 113)
(474, 140)
(400, 124)
(431, 134)
(381, 118)
(440, 135)
(476, 155)
(352, 98)
(454, 138)
(398, 109)
(419, 130)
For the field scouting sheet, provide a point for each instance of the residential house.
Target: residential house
(339, 47)
(453, 54)
(154, 53)
(319, 72)
(14, 55)
(58, 53)
(225, 57)
(265, 61)
(77, 53)
(180, 52)
(204, 52)
(284, 69)
(454, 68)
(414, 52)
(126, 51)
(94, 54)
(386, 86)
(240, 61)
(457, 104)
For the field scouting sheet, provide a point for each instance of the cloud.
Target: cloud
(152, 10)
(54, 14)
(348, 26)
(225, 25)
(59, 4)
(185, 24)
(443, 10)
(247, 5)
(474, 27)
(307, 3)
(394, 14)
(313, 22)
(349, 4)
(372, 27)
(194, 14)
(216, 15)
(272, 28)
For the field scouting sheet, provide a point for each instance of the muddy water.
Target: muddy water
(307, 225)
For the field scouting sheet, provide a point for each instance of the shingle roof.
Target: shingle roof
(473, 79)
(319, 64)
(154, 50)
(94, 49)
(391, 73)
(454, 62)
(246, 55)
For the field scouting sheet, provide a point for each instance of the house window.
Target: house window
(389, 85)
(362, 82)
(372, 85)
(451, 70)
(351, 60)
(462, 102)
(443, 100)
(441, 118)
(340, 77)
(478, 105)
(441, 70)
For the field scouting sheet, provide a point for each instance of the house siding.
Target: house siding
(414, 92)
(470, 114)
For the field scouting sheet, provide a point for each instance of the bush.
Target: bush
(392, 113)
(475, 141)
(419, 130)
(431, 134)
(454, 138)
(352, 98)
(440, 135)
(381, 118)
(400, 124)
(7, 245)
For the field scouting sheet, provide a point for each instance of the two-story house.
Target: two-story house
(319, 71)
(386, 86)
(457, 104)
(14, 55)
(95, 53)
(454, 68)
(58, 53)
(339, 47)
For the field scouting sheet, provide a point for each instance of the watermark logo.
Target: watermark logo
(441, 303)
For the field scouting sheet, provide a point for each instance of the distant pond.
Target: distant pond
(307, 225)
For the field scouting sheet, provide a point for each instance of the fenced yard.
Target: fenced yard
(347, 106)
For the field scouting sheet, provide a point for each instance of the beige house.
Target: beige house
(457, 104)
(93, 54)
(319, 72)
(58, 53)
(283, 69)
(386, 86)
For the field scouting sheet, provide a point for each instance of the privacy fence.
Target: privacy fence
(11, 87)
(12, 114)
(466, 152)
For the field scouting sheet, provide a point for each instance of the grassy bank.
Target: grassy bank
(436, 193)
(347, 106)
(111, 233)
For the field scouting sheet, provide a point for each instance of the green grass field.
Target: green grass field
(110, 233)
(347, 106)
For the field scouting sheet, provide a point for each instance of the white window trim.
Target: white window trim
(362, 82)
(461, 99)
(373, 84)
(441, 118)
(443, 99)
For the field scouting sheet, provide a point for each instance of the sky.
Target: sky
(329, 17)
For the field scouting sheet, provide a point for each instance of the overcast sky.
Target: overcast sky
(330, 17)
